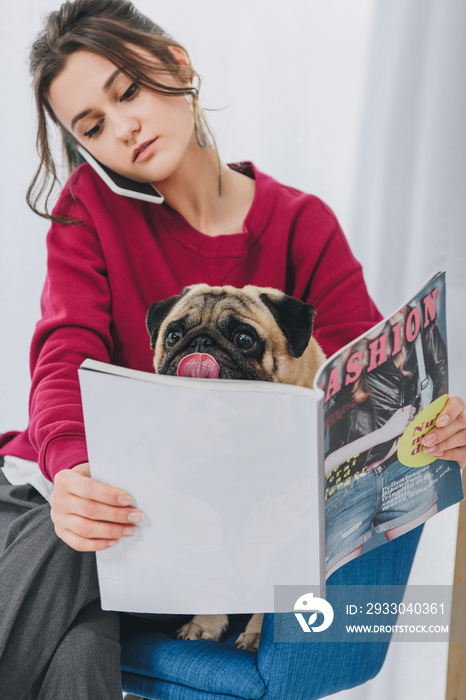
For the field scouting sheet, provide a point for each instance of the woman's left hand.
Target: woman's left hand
(448, 438)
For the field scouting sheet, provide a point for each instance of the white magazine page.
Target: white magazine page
(228, 477)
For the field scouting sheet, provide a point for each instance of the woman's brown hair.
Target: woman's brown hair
(116, 30)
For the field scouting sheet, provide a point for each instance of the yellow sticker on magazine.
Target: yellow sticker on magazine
(410, 449)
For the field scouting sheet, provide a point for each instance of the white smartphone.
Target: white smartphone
(120, 184)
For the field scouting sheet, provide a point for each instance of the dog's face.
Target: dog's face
(229, 333)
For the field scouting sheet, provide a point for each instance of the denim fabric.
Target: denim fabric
(373, 502)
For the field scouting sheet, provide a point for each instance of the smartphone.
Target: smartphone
(120, 184)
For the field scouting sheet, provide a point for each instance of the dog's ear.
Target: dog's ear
(294, 318)
(156, 314)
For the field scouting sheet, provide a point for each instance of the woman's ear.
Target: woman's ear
(180, 56)
(186, 72)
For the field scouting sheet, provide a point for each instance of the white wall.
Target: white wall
(408, 216)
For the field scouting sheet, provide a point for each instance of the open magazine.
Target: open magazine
(382, 394)
(249, 485)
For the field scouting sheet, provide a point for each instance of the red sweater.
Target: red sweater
(104, 274)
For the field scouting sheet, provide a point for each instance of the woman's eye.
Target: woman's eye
(131, 92)
(95, 130)
(244, 341)
(173, 337)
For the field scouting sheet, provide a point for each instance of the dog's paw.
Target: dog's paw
(204, 627)
(248, 641)
(193, 631)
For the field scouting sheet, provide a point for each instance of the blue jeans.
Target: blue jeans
(373, 502)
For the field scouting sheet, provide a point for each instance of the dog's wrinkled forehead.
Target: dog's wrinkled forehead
(211, 308)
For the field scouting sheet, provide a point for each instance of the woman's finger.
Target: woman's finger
(453, 408)
(71, 481)
(93, 510)
(453, 448)
(93, 529)
(82, 544)
(455, 427)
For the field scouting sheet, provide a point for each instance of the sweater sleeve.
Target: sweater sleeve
(335, 286)
(75, 324)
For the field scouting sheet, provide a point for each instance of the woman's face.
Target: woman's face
(132, 130)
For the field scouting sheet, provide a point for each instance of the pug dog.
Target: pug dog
(256, 333)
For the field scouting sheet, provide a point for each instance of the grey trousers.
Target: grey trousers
(56, 643)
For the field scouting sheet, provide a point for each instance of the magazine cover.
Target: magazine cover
(382, 394)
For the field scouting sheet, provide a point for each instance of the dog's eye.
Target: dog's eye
(244, 341)
(173, 337)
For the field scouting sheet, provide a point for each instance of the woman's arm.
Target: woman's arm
(75, 324)
(76, 321)
(329, 277)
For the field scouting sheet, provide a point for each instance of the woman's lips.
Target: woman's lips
(144, 151)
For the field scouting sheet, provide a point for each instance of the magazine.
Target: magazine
(249, 485)
(382, 394)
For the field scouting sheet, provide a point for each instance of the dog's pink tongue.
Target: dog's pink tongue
(199, 364)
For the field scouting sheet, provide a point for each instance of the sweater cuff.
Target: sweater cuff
(63, 452)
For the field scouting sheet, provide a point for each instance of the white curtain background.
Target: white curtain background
(361, 103)
(408, 213)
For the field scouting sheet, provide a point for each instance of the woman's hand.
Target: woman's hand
(397, 424)
(89, 515)
(448, 438)
(393, 430)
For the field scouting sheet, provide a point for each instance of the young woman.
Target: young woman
(112, 81)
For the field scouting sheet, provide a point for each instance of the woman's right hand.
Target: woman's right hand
(88, 515)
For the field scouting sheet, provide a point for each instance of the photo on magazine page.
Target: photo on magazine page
(382, 394)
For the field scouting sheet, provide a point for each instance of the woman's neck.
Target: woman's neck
(194, 191)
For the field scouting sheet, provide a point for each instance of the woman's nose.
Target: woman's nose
(126, 127)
